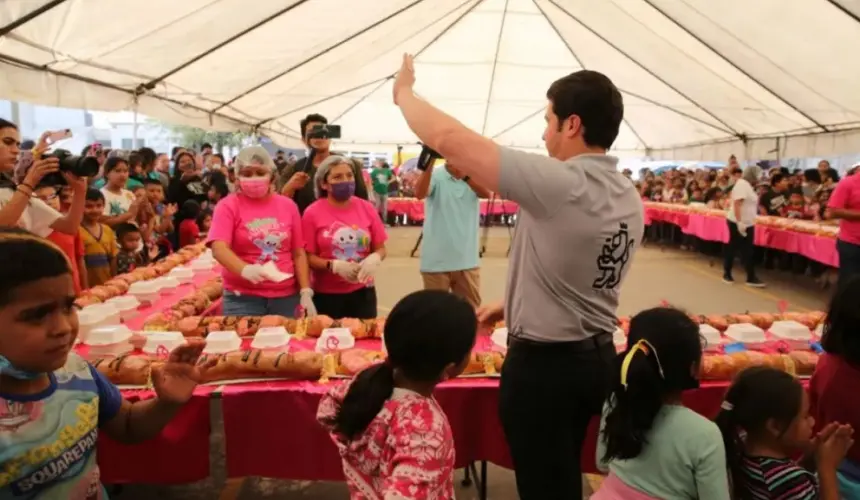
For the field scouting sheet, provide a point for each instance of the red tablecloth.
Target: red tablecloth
(414, 208)
(714, 228)
(181, 453)
(271, 430)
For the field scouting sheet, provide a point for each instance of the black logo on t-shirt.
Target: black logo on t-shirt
(613, 257)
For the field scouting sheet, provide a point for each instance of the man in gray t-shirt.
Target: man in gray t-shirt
(579, 224)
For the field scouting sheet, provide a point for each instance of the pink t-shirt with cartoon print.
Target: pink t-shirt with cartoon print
(258, 231)
(347, 233)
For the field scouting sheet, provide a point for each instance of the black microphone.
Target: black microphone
(427, 156)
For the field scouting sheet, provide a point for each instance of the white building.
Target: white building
(113, 130)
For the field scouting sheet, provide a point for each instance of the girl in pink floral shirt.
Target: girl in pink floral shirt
(393, 437)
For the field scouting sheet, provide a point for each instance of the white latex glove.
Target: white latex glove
(344, 269)
(367, 268)
(742, 228)
(255, 273)
(307, 303)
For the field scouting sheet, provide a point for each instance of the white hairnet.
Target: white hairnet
(323, 170)
(256, 155)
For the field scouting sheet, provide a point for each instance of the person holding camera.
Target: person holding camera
(578, 226)
(345, 242)
(18, 207)
(296, 181)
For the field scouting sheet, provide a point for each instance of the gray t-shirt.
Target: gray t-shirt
(579, 224)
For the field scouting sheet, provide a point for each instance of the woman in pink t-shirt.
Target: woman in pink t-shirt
(345, 241)
(252, 229)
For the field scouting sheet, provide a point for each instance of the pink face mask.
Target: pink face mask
(254, 187)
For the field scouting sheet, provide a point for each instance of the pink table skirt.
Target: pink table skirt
(715, 228)
(414, 208)
(267, 424)
(180, 454)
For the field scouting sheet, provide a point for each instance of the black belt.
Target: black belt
(590, 344)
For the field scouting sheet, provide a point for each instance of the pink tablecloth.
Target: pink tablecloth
(271, 430)
(414, 208)
(714, 228)
(181, 453)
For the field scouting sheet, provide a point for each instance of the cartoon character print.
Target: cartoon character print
(268, 235)
(269, 244)
(349, 243)
(14, 415)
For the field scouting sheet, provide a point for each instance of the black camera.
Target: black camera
(324, 131)
(80, 166)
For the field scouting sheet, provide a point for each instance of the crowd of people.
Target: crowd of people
(798, 194)
(300, 237)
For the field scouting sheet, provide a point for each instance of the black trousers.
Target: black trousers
(849, 260)
(549, 393)
(359, 304)
(743, 245)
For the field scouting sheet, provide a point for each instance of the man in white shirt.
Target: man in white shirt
(741, 215)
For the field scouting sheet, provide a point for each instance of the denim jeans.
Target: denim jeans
(252, 305)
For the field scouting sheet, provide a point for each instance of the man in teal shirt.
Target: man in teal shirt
(382, 177)
(449, 252)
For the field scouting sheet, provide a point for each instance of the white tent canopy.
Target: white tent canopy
(701, 79)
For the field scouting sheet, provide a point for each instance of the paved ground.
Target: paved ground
(684, 279)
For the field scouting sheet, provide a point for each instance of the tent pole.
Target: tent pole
(5, 30)
(134, 128)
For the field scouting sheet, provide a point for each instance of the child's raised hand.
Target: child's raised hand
(832, 450)
(175, 380)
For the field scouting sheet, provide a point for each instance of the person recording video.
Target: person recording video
(18, 207)
(296, 181)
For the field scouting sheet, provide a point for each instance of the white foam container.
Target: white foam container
(182, 274)
(795, 334)
(145, 291)
(202, 264)
(126, 305)
(499, 337)
(168, 340)
(105, 335)
(109, 341)
(271, 337)
(167, 285)
(335, 339)
(712, 337)
(819, 331)
(619, 339)
(222, 342)
(89, 318)
(746, 333)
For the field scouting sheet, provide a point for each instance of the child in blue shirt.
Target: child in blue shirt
(53, 404)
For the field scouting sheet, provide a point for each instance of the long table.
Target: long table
(270, 430)
(413, 208)
(714, 228)
(181, 453)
